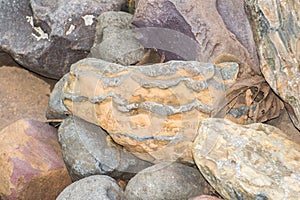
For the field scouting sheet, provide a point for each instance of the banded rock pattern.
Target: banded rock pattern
(277, 29)
(153, 111)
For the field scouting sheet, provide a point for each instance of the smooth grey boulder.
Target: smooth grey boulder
(88, 150)
(115, 41)
(92, 188)
(48, 36)
(168, 181)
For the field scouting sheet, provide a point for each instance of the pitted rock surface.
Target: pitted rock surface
(255, 161)
(277, 29)
(154, 110)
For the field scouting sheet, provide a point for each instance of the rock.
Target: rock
(47, 37)
(115, 41)
(56, 109)
(92, 188)
(255, 161)
(205, 31)
(22, 94)
(153, 111)
(6, 60)
(167, 181)
(88, 150)
(205, 197)
(277, 29)
(31, 165)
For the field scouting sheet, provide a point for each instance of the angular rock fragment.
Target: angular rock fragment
(154, 110)
(93, 187)
(169, 181)
(115, 41)
(48, 36)
(277, 30)
(255, 161)
(31, 164)
(88, 150)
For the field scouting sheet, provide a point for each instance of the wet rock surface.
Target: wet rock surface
(167, 181)
(31, 164)
(248, 162)
(47, 37)
(88, 150)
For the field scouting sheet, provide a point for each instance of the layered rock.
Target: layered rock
(153, 111)
(31, 164)
(254, 161)
(277, 30)
(47, 37)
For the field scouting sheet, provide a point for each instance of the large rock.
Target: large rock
(88, 150)
(115, 41)
(277, 29)
(254, 161)
(168, 181)
(153, 111)
(92, 188)
(47, 37)
(210, 30)
(31, 164)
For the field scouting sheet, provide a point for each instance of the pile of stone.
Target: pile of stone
(134, 129)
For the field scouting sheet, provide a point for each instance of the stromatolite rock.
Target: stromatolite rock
(48, 36)
(153, 111)
(88, 150)
(277, 29)
(211, 29)
(255, 161)
(115, 41)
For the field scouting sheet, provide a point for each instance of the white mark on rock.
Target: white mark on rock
(40, 33)
(70, 19)
(70, 30)
(88, 19)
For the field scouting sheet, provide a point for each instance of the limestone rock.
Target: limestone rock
(154, 110)
(202, 30)
(92, 188)
(88, 150)
(168, 181)
(47, 37)
(254, 161)
(115, 41)
(31, 165)
(277, 29)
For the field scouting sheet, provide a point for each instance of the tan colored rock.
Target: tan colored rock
(153, 111)
(31, 164)
(277, 29)
(247, 162)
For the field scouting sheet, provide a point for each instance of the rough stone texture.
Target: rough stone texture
(22, 94)
(205, 197)
(31, 164)
(48, 36)
(168, 181)
(88, 150)
(153, 111)
(277, 29)
(93, 188)
(115, 41)
(216, 28)
(254, 161)
(56, 109)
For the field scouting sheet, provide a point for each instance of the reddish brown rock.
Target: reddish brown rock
(31, 165)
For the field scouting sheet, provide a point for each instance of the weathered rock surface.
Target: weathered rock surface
(214, 28)
(254, 161)
(153, 111)
(47, 37)
(88, 150)
(22, 94)
(93, 188)
(205, 197)
(31, 164)
(115, 41)
(168, 181)
(277, 29)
